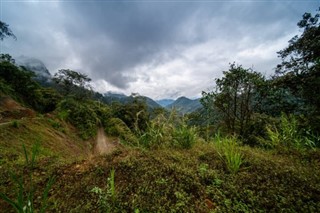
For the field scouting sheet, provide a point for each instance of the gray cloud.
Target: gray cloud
(160, 49)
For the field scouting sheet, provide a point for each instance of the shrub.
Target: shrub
(184, 137)
(256, 129)
(288, 135)
(170, 131)
(157, 134)
(116, 127)
(81, 115)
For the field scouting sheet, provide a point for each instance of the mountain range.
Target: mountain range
(185, 105)
(182, 105)
(110, 97)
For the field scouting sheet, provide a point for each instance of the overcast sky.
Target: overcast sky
(161, 49)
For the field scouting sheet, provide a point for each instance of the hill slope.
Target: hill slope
(160, 180)
(20, 125)
(185, 105)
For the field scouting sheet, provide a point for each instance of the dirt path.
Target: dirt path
(104, 145)
(5, 123)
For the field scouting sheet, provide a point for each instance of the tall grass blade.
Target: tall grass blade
(15, 205)
(112, 185)
(35, 152)
(25, 154)
(45, 194)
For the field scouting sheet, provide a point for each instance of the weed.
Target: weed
(102, 198)
(106, 199)
(116, 127)
(63, 114)
(217, 181)
(25, 196)
(153, 137)
(158, 133)
(16, 124)
(111, 186)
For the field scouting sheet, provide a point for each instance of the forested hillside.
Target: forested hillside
(252, 145)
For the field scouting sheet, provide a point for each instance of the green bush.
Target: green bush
(5, 88)
(102, 111)
(81, 115)
(45, 99)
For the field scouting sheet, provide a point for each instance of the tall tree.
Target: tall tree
(235, 97)
(5, 31)
(73, 83)
(300, 67)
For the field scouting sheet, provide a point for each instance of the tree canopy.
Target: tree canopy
(300, 67)
(5, 31)
(73, 83)
(235, 97)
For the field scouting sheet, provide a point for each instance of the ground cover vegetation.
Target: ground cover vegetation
(252, 147)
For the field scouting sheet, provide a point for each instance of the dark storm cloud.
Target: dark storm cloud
(112, 38)
(132, 44)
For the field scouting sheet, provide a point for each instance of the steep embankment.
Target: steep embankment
(21, 126)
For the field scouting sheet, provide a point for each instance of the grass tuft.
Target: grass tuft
(229, 151)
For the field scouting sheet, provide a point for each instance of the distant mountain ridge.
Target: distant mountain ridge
(182, 104)
(185, 105)
(110, 97)
(165, 102)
